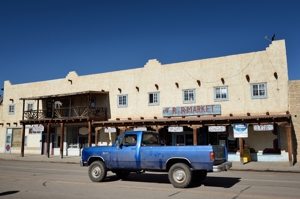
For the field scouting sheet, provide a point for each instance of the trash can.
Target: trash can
(246, 154)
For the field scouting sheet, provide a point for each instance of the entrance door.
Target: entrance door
(8, 143)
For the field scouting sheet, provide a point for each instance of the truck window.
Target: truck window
(150, 139)
(129, 140)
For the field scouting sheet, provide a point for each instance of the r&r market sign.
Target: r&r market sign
(191, 110)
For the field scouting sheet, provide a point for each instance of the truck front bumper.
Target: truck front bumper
(83, 164)
(222, 167)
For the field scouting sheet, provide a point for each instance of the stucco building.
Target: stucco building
(196, 102)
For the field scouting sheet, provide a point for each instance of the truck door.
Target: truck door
(127, 153)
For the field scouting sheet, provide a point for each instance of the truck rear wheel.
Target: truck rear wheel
(97, 171)
(122, 174)
(180, 175)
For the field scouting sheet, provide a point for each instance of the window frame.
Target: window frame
(259, 96)
(10, 111)
(122, 105)
(188, 101)
(30, 103)
(215, 93)
(157, 99)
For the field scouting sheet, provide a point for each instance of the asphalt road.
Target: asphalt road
(54, 180)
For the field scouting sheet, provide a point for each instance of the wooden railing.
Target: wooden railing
(68, 112)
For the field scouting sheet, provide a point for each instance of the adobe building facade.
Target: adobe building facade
(196, 102)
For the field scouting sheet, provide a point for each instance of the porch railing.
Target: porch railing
(68, 112)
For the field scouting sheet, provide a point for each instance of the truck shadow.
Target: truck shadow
(212, 181)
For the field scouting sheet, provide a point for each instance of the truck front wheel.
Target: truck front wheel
(97, 171)
(180, 175)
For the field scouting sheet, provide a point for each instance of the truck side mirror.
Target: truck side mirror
(118, 144)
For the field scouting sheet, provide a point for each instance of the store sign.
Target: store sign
(38, 128)
(216, 128)
(83, 131)
(175, 129)
(110, 130)
(191, 110)
(240, 130)
(142, 128)
(265, 127)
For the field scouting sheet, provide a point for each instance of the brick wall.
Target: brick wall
(294, 103)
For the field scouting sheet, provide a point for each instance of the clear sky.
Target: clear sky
(46, 39)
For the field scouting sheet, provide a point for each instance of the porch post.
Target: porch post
(48, 140)
(289, 142)
(89, 134)
(37, 109)
(62, 140)
(241, 150)
(23, 140)
(97, 129)
(195, 127)
(157, 128)
(122, 129)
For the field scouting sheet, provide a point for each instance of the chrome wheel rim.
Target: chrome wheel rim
(96, 172)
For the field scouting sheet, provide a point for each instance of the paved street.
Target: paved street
(21, 179)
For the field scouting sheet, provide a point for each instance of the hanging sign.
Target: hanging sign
(265, 127)
(240, 130)
(110, 130)
(175, 129)
(37, 128)
(142, 128)
(216, 128)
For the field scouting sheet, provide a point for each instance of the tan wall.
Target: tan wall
(260, 66)
(294, 100)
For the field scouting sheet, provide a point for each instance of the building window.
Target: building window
(122, 101)
(221, 93)
(153, 99)
(92, 102)
(188, 96)
(259, 90)
(11, 109)
(30, 106)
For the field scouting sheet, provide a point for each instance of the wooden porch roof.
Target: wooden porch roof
(64, 95)
(196, 120)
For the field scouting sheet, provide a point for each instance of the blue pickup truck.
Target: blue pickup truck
(140, 151)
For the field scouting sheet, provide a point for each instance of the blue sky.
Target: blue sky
(45, 39)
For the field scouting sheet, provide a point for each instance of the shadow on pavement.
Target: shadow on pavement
(223, 182)
(8, 193)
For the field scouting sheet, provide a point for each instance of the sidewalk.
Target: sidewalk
(237, 166)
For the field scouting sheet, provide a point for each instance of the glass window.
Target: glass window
(150, 139)
(30, 106)
(92, 102)
(153, 98)
(189, 96)
(221, 93)
(11, 109)
(259, 90)
(122, 101)
(129, 140)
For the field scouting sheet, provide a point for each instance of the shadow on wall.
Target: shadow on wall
(294, 143)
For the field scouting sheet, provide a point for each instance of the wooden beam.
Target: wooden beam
(23, 140)
(48, 140)
(289, 142)
(89, 134)
(62, 140)
(241, 150)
